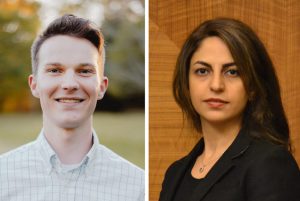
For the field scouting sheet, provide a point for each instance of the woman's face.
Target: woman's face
(216, 88)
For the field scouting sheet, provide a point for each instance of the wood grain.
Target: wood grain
(278, 25)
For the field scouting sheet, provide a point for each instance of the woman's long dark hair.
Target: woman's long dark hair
(264, 112)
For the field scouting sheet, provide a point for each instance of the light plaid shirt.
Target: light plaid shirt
(33, 172)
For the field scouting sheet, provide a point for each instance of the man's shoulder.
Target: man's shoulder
(111, 158)
(19, 151)
(17, 161)
(116, 169)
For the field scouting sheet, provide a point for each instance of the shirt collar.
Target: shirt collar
(45, 150)
(92, 152)
(50, 157)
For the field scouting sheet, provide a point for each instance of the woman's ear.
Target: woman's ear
(33, 85)
(103, 87)
(251, 96)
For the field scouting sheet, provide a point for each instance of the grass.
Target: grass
(124, 133)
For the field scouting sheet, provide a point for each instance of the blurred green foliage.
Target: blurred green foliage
(18, 25)
(123, 28)
(125, 57)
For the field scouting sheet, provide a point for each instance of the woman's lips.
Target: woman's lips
(215, 102)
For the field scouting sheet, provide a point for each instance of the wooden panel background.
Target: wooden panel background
(277, 22)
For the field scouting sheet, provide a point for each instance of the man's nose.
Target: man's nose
(217, 82)
(69, 82)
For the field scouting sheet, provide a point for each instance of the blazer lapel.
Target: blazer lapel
(223, 165)
(177, 178)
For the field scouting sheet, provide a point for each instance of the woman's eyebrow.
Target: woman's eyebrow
(229, 64)
(226, 65)
(203, 63)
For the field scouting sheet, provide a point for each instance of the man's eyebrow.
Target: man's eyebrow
(54, 64)
(87, 65)
(79, 65)
(226, 65)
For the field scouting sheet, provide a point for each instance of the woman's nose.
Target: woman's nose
(217, 83)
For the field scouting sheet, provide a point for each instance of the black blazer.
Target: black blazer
(249, 170)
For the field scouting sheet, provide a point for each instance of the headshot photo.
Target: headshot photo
(147, 100)
(65, 135)
(223, 94)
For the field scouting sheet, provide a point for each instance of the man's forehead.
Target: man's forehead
(68, 50)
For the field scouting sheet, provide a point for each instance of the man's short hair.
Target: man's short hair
(69, 25)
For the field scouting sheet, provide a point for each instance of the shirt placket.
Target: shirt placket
(68, 181)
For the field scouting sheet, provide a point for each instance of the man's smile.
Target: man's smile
(69, 100)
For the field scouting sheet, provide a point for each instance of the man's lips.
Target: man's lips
(69, 100)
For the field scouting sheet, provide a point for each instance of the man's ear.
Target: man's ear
(103, 87)
(33, 86)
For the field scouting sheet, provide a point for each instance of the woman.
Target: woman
(226, 85)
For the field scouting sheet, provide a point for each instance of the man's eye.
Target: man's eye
(232, 72)
(86, 71)
(54, 70)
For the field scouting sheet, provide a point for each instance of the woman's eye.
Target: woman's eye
(202, 71)
(232, 72)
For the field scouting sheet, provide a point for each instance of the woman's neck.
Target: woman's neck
(218, 137)
(71, 145)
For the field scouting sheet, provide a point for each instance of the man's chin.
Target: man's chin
(69, 121)
(68, 124)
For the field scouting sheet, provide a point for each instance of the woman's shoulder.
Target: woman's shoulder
(262, 152)
(263, 149)
(177, 165)
(187, 159)
(271, 169)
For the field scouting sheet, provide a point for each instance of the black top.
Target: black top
(249, 170)
(188, 185)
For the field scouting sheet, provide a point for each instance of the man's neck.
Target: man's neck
(71, 145)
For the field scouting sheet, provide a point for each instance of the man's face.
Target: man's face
(68, 82)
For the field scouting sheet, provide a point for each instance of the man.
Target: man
(66, 162)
